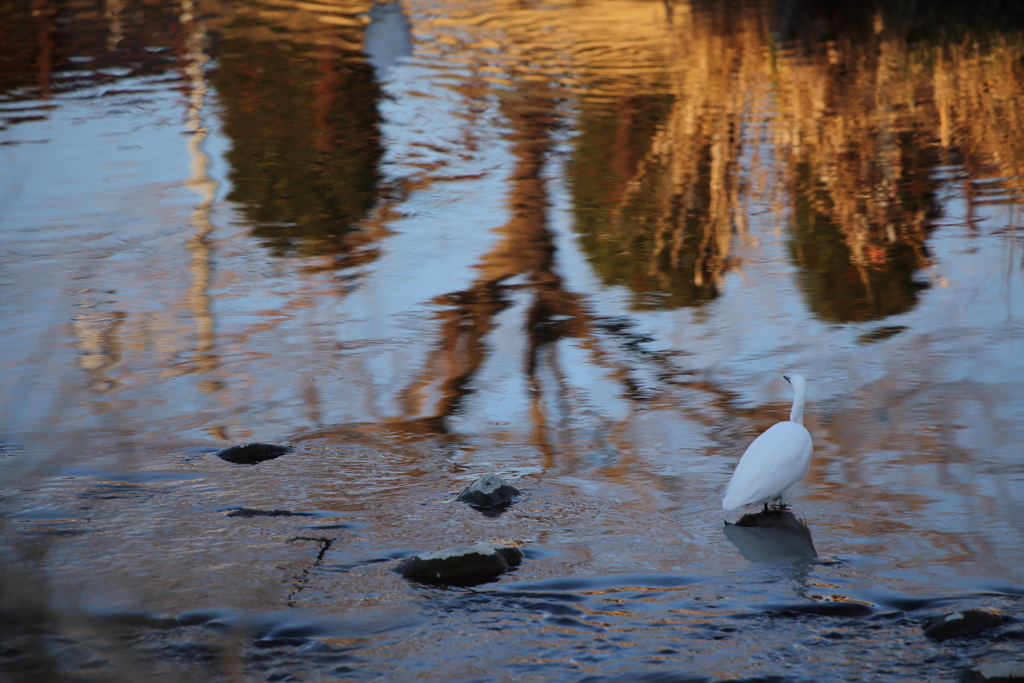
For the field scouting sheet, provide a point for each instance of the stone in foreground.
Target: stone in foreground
(962, 623)
(252, 453)
(488, 492)
(1003, 672)
(467, 566)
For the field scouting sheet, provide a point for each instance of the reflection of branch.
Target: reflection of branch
(527, 250)
(98, 344)
(47, 10)
(458, 356)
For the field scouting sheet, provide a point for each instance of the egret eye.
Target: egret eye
(773, 464)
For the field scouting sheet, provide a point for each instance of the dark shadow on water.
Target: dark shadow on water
(815, 21)
(305, 133)
(880, 334)
(636, 227)
(773, 537)
(867, 267)
(495, 511)
(50, 48)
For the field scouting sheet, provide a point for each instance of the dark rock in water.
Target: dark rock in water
(489, 491)
(513, 555)
(466, 566)
(961, 623)
(253, 512)
(252, 453)
(1003, 672)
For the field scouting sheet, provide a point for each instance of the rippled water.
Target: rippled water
(573, 244)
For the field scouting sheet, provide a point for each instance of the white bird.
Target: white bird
(776, 461)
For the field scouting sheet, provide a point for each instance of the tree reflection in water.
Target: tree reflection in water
(304, 126)
(838, 122)
(525, 248)
(640, 229)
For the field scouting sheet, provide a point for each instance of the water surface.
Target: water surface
(573, 244)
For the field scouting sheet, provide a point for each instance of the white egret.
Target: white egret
(773, 464)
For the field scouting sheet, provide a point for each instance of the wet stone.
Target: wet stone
(961, 623)
(252, 453)
(465, 566)
(1002, 672)
(489, 491)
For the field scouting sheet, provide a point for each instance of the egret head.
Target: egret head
(795, 380)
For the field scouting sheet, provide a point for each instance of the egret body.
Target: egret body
(773, 464)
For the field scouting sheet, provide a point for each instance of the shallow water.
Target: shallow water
(573, 244)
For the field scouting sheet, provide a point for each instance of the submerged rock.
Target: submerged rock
(961, 623)
(489, 491)
(465, 566)
(1003, 672)
(252, 453)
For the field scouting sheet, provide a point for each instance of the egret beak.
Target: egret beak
(786, 378)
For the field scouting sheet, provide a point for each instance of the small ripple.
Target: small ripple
(608, 582)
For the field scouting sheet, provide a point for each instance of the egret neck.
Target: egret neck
(799, 396)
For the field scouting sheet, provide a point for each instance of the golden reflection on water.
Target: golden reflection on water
(690, 119)
(590, 49)
(845, 140)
